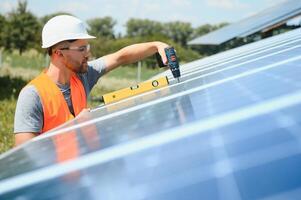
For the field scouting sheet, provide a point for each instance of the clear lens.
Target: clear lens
(85, 48)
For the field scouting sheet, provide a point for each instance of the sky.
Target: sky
(197, 12)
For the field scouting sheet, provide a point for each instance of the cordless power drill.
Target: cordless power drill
(172, 62)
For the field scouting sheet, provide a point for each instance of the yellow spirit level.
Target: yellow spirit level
(135, 90)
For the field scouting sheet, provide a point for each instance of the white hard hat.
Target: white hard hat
(63, 27)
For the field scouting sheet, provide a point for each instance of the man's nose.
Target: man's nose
(88, 54)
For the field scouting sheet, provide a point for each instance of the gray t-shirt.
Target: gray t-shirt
(29, 111)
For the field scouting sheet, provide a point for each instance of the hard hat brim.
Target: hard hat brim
(55, 40)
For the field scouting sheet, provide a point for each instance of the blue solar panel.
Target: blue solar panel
(263, 20)
(229, 130)
(239, 56)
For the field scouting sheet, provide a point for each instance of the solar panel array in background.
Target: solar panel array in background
(229, 130)
(262, 20)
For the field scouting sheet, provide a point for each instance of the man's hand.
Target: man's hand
(20, 138)
(161, 46)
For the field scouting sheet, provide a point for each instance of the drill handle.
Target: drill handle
(159, 60)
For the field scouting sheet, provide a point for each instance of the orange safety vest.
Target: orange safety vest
(55, 108)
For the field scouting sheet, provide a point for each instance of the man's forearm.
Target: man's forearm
(134, 53)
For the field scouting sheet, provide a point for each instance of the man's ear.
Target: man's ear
(58, 52)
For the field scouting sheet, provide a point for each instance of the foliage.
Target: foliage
(9, 90)
(143, 28)
(102, 27)
(31, 59)
(22, 29)
(7, 110)
(10, 87)
(2, 33)
(179, 32)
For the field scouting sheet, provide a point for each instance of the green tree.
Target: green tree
(206, 28)
(102, 27)
(143, 27)
(2, 30)
(22, 28)
(180, 32)
(221, 25)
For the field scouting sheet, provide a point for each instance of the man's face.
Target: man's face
(75, 55)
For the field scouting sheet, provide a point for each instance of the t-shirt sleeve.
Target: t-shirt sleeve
(96, 69)
(29, 111)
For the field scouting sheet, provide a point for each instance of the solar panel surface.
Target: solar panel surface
(229, 130)
(265, 19)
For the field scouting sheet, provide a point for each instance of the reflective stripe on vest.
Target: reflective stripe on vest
(55, 108)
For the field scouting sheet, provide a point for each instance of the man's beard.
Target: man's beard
(83, 68)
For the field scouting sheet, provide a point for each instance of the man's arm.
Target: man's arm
(134, 53)
(28, 121)
(23, 137)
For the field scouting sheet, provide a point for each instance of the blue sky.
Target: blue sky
(197, 12)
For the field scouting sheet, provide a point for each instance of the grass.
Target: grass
(29, 60)
(16, 72)
(9, 90)
(7, 110)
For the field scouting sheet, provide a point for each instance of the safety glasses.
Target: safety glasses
(82, 49)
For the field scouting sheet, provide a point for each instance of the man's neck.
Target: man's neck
(59, 74)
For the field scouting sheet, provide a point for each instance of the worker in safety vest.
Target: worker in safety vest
(60, 92)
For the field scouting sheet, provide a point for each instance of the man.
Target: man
(60, 92)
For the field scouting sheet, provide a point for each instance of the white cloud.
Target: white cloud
(227, 4)
(6, 6)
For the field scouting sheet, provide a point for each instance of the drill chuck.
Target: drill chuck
(175, 72)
